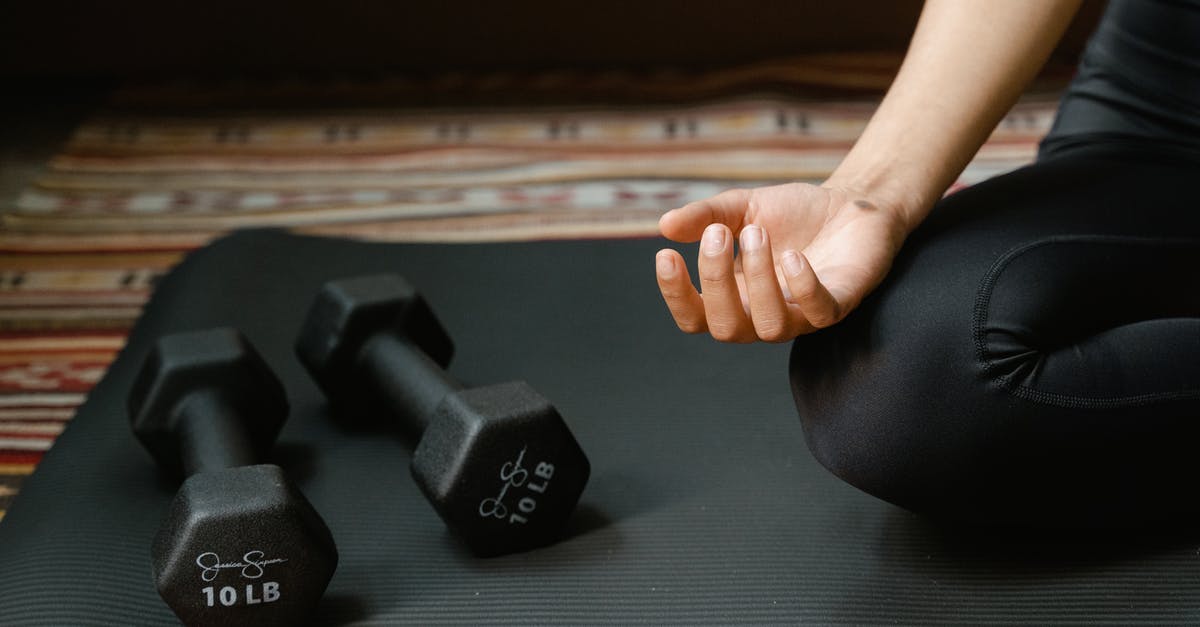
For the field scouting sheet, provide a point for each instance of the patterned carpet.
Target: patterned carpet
(147, 179)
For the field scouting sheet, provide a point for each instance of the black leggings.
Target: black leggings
(1034, 355)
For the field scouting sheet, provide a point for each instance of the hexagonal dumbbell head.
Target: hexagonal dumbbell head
(242, 546)
(218, 360)
(498, 463)
(501, 468)
(347, 312)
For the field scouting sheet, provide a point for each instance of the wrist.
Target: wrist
(888, 189)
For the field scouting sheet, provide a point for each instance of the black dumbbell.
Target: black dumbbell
(240, 545)
(498, 463)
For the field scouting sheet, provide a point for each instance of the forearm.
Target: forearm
(967, 64)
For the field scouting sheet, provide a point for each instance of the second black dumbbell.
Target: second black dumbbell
(498, 463)
(240, 544)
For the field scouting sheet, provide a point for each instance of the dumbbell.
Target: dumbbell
(240, 545)
(498, 464)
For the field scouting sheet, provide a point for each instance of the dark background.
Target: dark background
(155, 38)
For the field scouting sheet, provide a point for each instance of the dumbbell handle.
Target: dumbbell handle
(211, 436)
(405, 378)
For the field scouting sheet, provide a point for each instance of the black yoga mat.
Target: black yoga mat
(704, 504)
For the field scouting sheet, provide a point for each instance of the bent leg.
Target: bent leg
(1033, 357)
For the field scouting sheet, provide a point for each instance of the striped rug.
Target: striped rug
(138, 186)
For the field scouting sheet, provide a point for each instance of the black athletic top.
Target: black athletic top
(1140, 76)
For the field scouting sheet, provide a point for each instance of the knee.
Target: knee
(995, 392)
(885, 400)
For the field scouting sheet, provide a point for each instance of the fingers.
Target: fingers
(681, 297)
(819, 307)
(770, 315)
(723, 309)
(687, 223)
(720, 309)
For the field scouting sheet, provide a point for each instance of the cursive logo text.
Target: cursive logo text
(251, 565)
(514, 476)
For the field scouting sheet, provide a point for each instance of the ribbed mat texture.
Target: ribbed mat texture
(704, 506)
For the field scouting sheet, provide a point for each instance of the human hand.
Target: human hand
(830, 248)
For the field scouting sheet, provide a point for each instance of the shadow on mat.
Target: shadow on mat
(297, 459)
(604, 539)
(914, 539)
(607, 497)
(340, 609)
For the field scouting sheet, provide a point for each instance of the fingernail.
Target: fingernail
(665, 263)
(714, 239)
(752, 238)
(792, 263)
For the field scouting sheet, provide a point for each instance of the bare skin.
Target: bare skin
(809, 254)
(852, 243)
